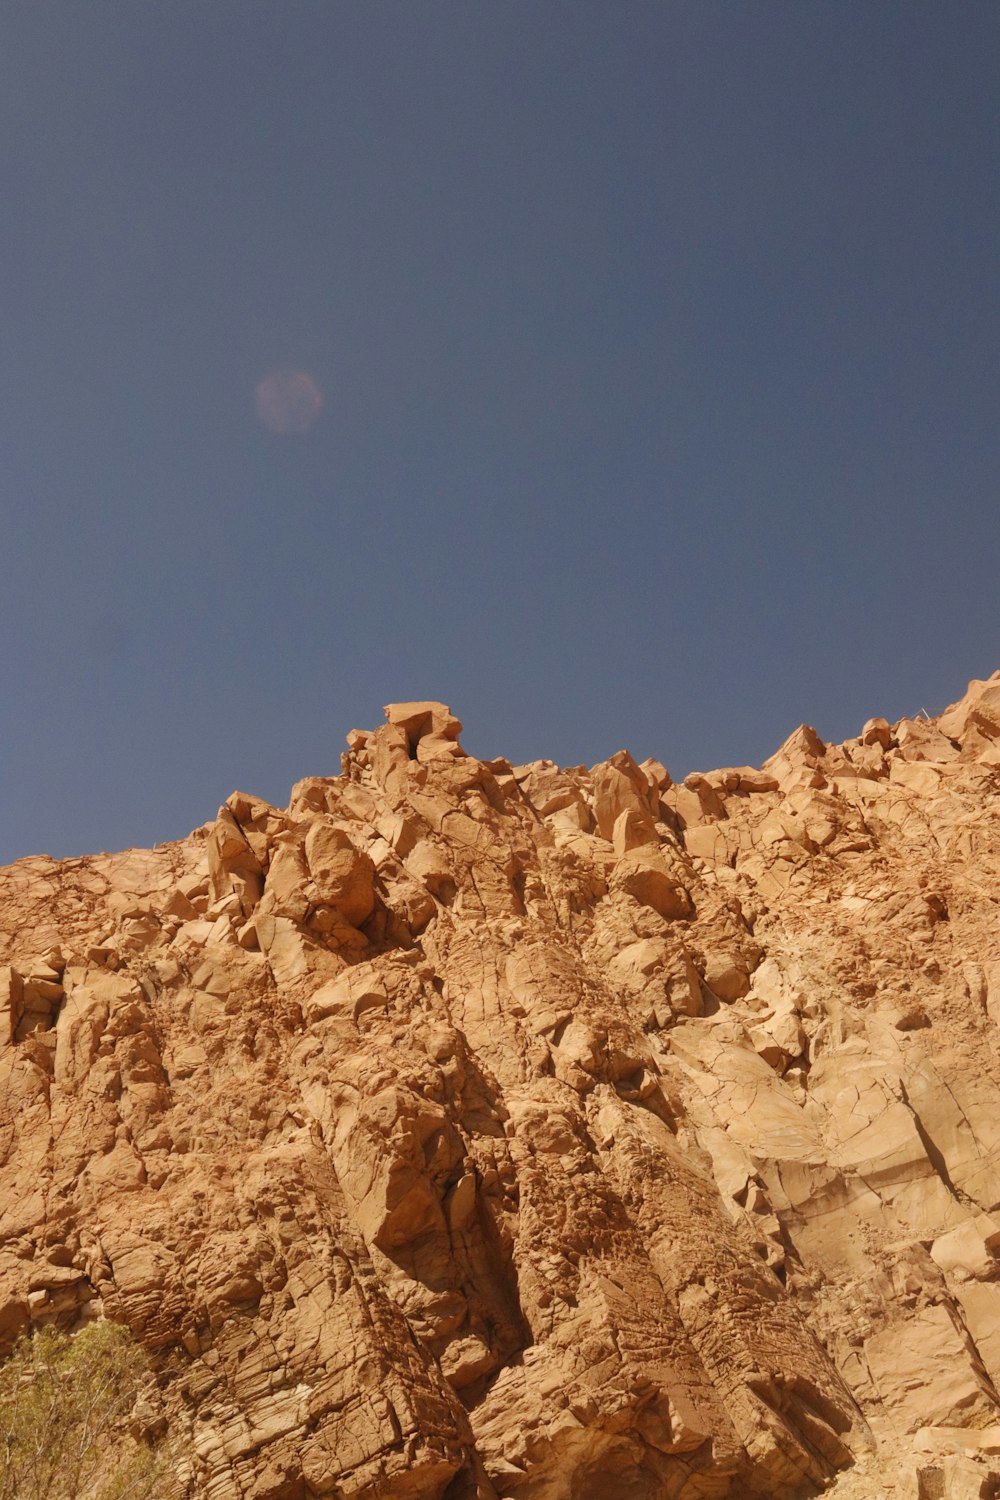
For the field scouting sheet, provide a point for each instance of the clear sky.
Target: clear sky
(619, 372)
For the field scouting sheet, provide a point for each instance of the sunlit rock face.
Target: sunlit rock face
(476, 1130)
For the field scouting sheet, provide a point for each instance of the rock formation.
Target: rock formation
(470, 1130)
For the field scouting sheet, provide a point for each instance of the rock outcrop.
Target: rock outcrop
(469, 1130)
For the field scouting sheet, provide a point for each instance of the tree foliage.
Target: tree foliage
(65, 1404)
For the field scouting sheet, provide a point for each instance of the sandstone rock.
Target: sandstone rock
(695, 803)
(473, 1130)
(797, 762)
(978, 710)
(656, 773)
(232, 864)
(342, 873)
(926, 1372)
(618, 787)
(557, 796)
(920, 739)
(429, 864)
(877, 732)
(726, 976)
(433, 722)
(632, 829)
(651, 881)
(971, 1248)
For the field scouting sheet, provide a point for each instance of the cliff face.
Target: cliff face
(469, 1130)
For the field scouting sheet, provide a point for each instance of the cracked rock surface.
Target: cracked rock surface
(468, 1130)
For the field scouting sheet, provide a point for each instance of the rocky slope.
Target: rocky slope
(477, 1130)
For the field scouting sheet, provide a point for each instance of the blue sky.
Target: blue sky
(658, 351)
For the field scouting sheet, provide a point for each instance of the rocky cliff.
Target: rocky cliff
(477, 1130)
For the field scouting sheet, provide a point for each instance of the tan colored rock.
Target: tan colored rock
(727, 976)
(921, 739)
(424, 720)
(619, 786)
(632, 830)
(980, 1307)
(556, 795)
(650, 880)
(342, 874)
(473, 1130)
(926, 1372)
(697, 802)
(797, 762)
(978, 710)
(233, 867)
(877, 732)
(970, 1250)
(656, 773)
(429, 864)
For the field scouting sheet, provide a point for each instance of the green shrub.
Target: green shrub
(65, 1404)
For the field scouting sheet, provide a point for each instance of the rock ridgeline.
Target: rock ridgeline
(470, 1130)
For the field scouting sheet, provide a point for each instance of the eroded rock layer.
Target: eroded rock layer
(477, 1130)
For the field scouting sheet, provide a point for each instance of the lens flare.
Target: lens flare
(288, 401)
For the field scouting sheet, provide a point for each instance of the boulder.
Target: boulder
(649, 879)
(342, 874)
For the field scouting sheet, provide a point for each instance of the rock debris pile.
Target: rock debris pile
(469, 1130)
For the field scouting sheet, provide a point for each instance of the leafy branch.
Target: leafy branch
(65, 1409)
